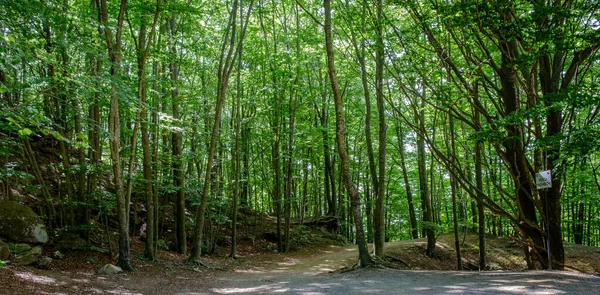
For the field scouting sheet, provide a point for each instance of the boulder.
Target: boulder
(18, 222)
(20, 248)
(29, 257)
(4, 250)
(110, 269)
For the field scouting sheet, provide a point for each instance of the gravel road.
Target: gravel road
(311, 276)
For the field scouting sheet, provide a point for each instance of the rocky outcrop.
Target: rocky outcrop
(19, 223)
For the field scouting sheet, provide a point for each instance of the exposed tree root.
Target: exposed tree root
(396, 260)
(376, 262)
(197, 262)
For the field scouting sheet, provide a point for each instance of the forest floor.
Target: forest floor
(312, 270)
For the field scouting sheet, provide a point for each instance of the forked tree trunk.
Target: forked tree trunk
(229, 51)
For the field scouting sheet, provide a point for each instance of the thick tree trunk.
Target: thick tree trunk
(517, 161)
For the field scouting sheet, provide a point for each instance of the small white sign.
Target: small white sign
(543, 179)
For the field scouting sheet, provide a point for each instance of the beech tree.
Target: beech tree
(444, 112)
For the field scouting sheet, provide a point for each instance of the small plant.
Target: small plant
(2, 263)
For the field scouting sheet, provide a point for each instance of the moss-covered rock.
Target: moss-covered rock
(20, 248)
(4, 250)
(18, 222)
(29, 257)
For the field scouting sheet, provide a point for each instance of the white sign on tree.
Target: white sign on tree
(543, 179)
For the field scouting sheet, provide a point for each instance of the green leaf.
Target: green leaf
(25, 132)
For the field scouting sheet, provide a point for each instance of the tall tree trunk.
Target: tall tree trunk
(229, 51)
(453, 186)
(177, 141)
(363, 252)
(236, 161)
(143, 45)
(428, 224)
(379, 216)
(114, 53)
(479, 184)
(409, 197)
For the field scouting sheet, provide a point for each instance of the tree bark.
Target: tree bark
(363, 252)
(114, 53)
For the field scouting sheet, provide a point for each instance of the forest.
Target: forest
(395, 119)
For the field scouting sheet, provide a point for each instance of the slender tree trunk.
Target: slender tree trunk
(236, 162)
(409, 197)
(114, 52)
(177, 142)
(363, 252)
(229, 51)
(144, 44)
(480, 210)
(428, 223)
(379, 216)
(453, 187)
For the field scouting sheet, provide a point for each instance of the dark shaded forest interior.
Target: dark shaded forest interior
(160, 130)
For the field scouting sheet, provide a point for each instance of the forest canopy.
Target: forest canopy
(413, 117)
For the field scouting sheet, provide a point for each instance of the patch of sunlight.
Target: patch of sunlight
(55, 293)
(537, 282)
(262, 288)
(422, 288)
(529, 291)
(456, 287)
(87, 274)
(81, 280)
(249, 270)
(290, 262)
(30, 277)
(121, 292)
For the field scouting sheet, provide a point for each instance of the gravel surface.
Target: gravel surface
(386, 281)
(311, 276)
